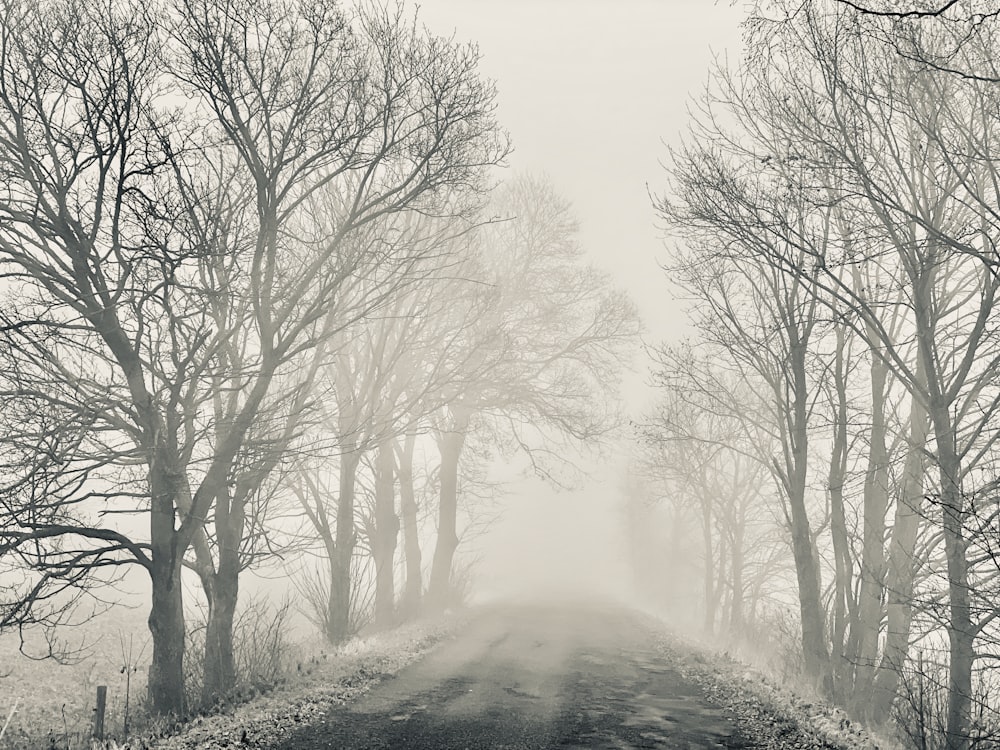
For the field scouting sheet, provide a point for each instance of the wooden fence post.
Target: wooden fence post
(102, 702)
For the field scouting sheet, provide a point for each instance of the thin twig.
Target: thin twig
(939, 11)
(9, 717)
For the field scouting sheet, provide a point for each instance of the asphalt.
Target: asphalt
(532, 677)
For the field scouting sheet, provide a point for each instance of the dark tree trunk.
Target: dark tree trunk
(166, 625)
(220, 660)
(961, 633)
(166, 616)
(814, 648)
(223, 595)
(450, 443)
(340, 562)
(810, 610)
(413, 587)
(385, 538)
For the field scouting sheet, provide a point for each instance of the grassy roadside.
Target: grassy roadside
(768, 715)
(54, 711)
(326, 678)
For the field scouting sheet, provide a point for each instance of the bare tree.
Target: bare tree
(700, 452)
(764, 323)
(549, 341)
(898, 146)
(125, 222)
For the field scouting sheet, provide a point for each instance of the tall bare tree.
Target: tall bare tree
(546, 351)
(154, 235)
(902, 151)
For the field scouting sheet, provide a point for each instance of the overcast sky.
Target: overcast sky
(590, 91)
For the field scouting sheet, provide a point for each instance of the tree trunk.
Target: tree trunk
(385, 537)
(166, 616)
(450, 443)
(810, 610)
(223, 595)
(843, 569)
(814, 648)
(961, 634)
(413, 587)
(901, 567)
(876, 505)
(340, 562)
(708, 623)
(166, 625)
(220, 659)
(736, 581)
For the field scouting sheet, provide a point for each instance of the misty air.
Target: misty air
(529, 374)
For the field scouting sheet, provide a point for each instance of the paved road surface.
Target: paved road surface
(531, 677)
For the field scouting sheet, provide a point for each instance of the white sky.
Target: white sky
(590, 91)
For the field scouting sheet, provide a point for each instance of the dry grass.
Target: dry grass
(51, 705)
(321, 679)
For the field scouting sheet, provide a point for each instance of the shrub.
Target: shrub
(921, 708)
(260, 649)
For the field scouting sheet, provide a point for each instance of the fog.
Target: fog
(593, 98)
(331, 329)
(549, 544)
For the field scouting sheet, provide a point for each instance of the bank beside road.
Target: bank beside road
(529, 677)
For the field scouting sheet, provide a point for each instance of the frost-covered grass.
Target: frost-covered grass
(321, 679)
(51, 705)
(48, 704)
(770, 714)
(55, 703)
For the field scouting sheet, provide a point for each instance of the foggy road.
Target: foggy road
(531, 677)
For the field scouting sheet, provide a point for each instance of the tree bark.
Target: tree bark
(876, 505)
(340, 561)
(223, 595)
(843, 568)
(220, 660)
(961, 634)
(166, 625)
(814, 648)
(413, 587)
(385, 537)
(901, 567)
(450, 444)
(166, 616)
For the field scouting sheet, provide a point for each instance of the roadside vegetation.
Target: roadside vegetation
(268, 304)
(828, 433)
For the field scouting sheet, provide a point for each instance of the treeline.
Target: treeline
(253, 264)
(833, 421)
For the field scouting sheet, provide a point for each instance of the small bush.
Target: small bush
(313, 587)
(773, 643)
(921, 708)
(260, 646)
